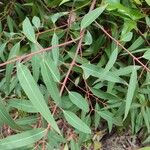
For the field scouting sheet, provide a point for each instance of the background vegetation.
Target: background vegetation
(71, 70)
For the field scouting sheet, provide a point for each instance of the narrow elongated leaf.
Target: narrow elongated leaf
(92, 16)
(110, 119)
(79, 101)
(2, 48)
(35, 61)
(112, 60)
(63, 1)
(52, 67)
(110, 63)
(92, 70)
(21, 104)
(31, 89)
(76, 122)
(55, 51)
(6, 118)
(23, 139)
(147, 20)
(130, 92)
(28, 30)
(50, 84)
(9, 68)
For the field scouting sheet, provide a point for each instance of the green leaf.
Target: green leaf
(2, 48)
(63, 1)
(111, 62)
(55, 51)
(6, 118)
(28, 30)
(130, 92)
(50, 83)
(88, 38)
(76, 122)
(52, 67)
(146, 118)
(74, 145)
(138, 2)
(21, 104)
(147, 20)
(36, 22)
(110, 119)
(36, 60)
(56, 16)
(148, 2)
(92, 16)
(127, 37)
(10, 23)
(93, 70)
(147, 55)
(9, 68)
(30, 87)
(145, 148)
(79, 101)
(22, 139)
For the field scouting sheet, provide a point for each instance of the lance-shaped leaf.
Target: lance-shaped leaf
(28, 30)
(130, 92)
(92, 16)
(9, 68)
(6, 118)
(22, 139)
(79, 101)
(22, 104)
(55, 51)
(76, 122)
(31, 89)
(50, 83)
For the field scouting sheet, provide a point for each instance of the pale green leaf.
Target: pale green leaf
(148, 2)
(36, 60)
(56, 16)
(130, 91)
(9, 68)
(55, 51)
(127, 37)
(138, 2)
(93, 70)
(145, 148)
(50, 83)
(28, 30)
(92, 16)
(6, 118)
(31, 89)
(36, 22)
(22, 104)
(64, 1)
(79, 101)
(147, 55)
(88, 38)
(147, 20)
(22, 139)
(76, 122)
(52, 67)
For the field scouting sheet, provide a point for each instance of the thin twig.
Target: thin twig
(118, 43)
(77, 51)
(37, 52)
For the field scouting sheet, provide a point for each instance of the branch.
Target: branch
(118, 43)
(37, 52)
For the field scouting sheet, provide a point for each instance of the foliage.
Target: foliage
(69, 66)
